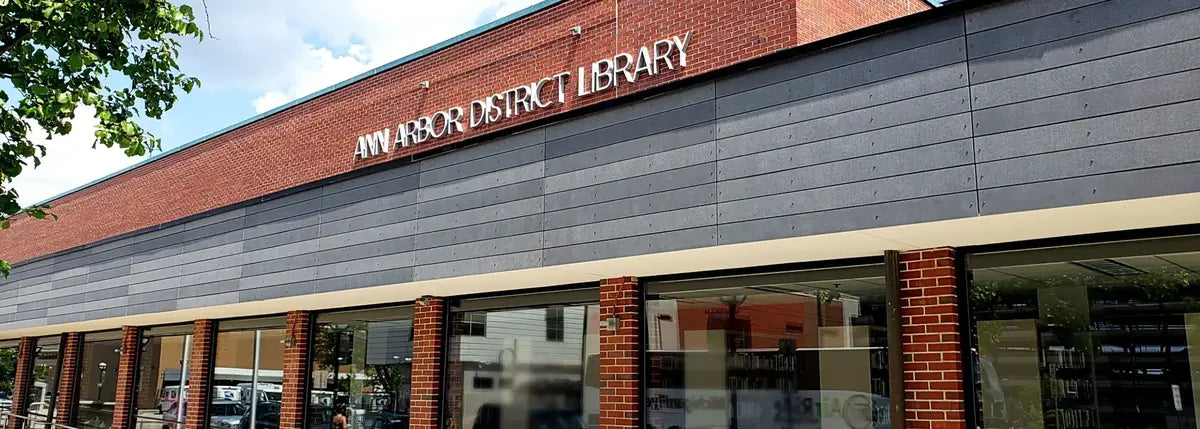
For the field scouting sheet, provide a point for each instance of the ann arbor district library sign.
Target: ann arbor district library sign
(603, 75)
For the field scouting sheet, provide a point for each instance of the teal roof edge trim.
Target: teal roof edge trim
(361, 76)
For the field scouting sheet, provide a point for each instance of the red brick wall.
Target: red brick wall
(620, 353)
(933, 372)
(199, 366)
(126, 377)
(819, 19)
(26, 350)
(247, 163)
(428, 324)
(295, 370)
(68, 380)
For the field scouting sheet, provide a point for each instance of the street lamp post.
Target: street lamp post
(100, 385)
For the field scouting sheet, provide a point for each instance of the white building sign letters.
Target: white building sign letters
(602, 75)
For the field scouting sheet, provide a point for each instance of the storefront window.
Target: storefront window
(162, 377)
(247, 383)
(44, 390)
(98, 367)
(785, 349)
(508, 368)
(362, 368)
(8, 372)
(1096, 336)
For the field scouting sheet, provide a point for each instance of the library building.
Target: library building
(686, 214)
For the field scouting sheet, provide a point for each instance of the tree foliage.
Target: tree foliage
(116, 56)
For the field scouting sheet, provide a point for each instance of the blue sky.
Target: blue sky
(261, 54)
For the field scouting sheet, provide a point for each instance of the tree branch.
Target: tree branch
(21, 35)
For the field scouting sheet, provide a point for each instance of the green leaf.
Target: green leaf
(186, 10)
(64, 97)
(75, 63)
(127, 127)
(38, 90)
(102, 26)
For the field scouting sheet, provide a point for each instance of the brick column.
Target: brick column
(68, 379)
(428, 326)
(200, 364)
(126, 377)
(26, 353)
(295, 370)
(933, 368)
(620, 353)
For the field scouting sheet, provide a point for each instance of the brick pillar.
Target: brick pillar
(428, 323)
(126, 377)
(620, 353)
(68, 379)
(199, 366)
(933, 367)
(295, 370)
(22, 380)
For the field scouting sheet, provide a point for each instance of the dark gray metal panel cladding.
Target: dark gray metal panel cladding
(1012, 106)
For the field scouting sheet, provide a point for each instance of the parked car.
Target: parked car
(384, 420)
(226, 414)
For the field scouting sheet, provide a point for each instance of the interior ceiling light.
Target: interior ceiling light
(1110, 267)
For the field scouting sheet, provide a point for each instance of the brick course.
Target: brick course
(428, 325)
(22, 380)
(246, 162)
(126, 378)
(620, 354)
(199, 366)
(68, 379)
(295, 370)
(933, 371)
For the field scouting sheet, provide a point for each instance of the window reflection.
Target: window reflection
(247, 383)
(799, 349)
(98, 366)
(1099, 336)
(162, 378)
(43, 392)
(362, 369)
(8, 367)
(532, 367)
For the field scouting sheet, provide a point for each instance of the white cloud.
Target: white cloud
(281, 50)
(70, 161)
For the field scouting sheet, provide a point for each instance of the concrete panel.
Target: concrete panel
(927, 209)
(633, 187)
(365, 265)
(395, 171)
(104, 313)
(150, 307)
(806, 128)
(385, 231)
(1132, 37)
(31, 289)
(629, 149)
(283, 238)
(888, 164)
(496, 212)
(486, 197)
(1152, 182)
(156, 296)
(1005, 13)
(669, 160)
(150, 255)
(54, 320)
(282, 264)
(641, 127)
(280, 278)
(1097, 17)
(367, 221)
(282, 225)
(630, 246)
(896, 41)
(498, 162)
(211, 264)
(169, 258)
(366, 250)
(157, 285)
(475, 183)
(102, 294)
(207, 300)
(791, 156)
(276, 201)
(1091, 103)
(386, 277)
(211, 276)
(938, 182)
(375, 205)
(627, 227)
(270, 253)
(310, 205)
(223, 286)
(99, 273)
(887, 77)
(68, 282)
(63, 300)
(212, 241)
(1093, 74)
(479, 249)
(293, 289)
(676, 99)
(221, 251)
(222, 216)
(484, 149)
(490, 264)
(338, 196)
(1138, 124)
(675, 199)
(117, 302)
(1129, 155)
(479, 232)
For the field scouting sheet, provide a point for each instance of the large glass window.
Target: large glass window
(162, 377)
(786, 349)
(509, 369)
(8, 372)
(247, 383)
(1095, 336)
(98, 367)
(43, 392)
(362, 368)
